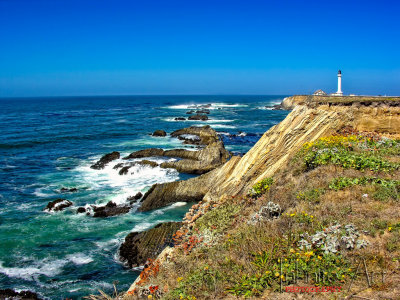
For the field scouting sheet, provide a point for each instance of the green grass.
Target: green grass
(218, 219)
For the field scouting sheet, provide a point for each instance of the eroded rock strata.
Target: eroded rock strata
(138, 247)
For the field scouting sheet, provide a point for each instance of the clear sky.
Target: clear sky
(98, 47)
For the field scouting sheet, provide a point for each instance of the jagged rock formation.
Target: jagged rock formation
(105, 160)
(206, 134)
(193, 162)
(58, 205)
(160, 195)
(138, 247)
(10, 294)
(109, 210)
(198, 162)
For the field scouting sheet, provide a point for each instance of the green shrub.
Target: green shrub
(320, 268)
(261, 187)
(217, 219)
(357, 152)
(341, 183)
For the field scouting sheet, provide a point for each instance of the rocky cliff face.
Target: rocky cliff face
(306, 123)
(138, 247)
(281, 142)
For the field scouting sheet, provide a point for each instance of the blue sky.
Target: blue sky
(97, 47)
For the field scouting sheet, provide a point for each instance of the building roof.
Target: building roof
(319, 92)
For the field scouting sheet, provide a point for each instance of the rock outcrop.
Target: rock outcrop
(105, 160)
(138, 247)
(159, 133)
(58, 205)
(206, 134)
(109, 210)
(193, 162)
(198, 117)
(133, 199)
(191, 190)
(198, 162)
(145, 153)
(10, 294)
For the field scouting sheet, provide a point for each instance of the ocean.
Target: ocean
(47, 144)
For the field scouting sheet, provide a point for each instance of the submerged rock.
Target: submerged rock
(180, 119)
(138, 247)
(105, 160)
(203, 111)
(58, 205)
(68, 190)
(109, 210)
(81, 210)
(124, 170)
(159, 133)
(13, 295)
(126, 166)
(146, 162)
(198, 117)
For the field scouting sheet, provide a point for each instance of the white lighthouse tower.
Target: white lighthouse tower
(339, 84)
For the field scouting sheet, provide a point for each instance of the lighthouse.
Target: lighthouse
(339, 84)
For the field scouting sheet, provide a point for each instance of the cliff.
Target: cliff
(225, 191)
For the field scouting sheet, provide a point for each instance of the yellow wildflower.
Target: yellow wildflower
(179, 279)
(149, 297)
(291, 250)
(276, 274)
(319, 257)
(390, 229)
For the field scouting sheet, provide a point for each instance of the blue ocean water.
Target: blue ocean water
(49, 143)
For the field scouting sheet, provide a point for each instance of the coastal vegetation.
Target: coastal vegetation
(322, 221)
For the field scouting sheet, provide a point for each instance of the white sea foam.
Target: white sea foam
(46, 267)
(222, 126)
(143, 226)
(39, 192)
(206, 121)
(138, 178)
(213, 106)
(79, 258)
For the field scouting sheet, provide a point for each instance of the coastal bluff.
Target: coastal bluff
(311, 118)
